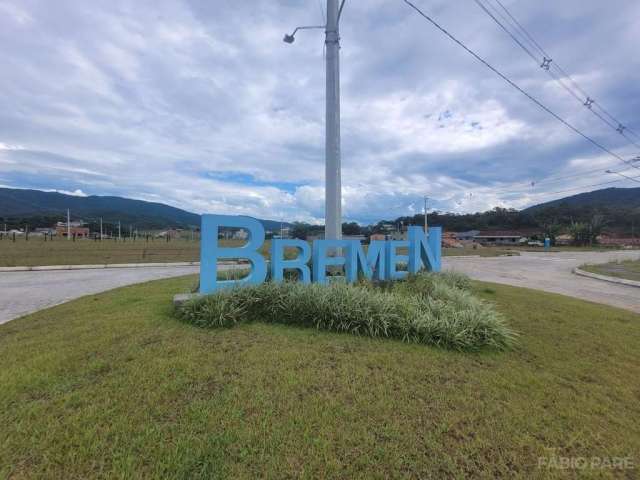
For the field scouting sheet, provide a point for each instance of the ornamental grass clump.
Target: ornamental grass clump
(433, 309)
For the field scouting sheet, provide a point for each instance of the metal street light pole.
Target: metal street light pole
(333, 181)
(426, 199)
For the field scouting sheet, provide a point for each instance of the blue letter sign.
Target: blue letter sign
(211, 252)
(380, 262)
(279, 264)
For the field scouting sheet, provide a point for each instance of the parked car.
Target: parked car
(535, 243)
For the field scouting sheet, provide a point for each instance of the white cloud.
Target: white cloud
(75, 193)
(201, 105)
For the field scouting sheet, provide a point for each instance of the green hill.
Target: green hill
(30, 204)
(607, 197)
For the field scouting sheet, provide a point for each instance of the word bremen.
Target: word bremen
(381, 261)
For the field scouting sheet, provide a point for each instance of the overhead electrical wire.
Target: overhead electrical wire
(532, 184)
(580, 187)
(517, 87)
(625, 176)
(561, 70)
(548, 64)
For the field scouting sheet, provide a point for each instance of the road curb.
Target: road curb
(606, 278)
(182, 298)
(97, 267)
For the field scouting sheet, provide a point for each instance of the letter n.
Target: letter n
(425, 249)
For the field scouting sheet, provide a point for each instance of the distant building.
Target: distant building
(564, 239)
(360, 238)
(466, 236)
(75, 229)
(499, 237)
(616, 240)
(378, 236)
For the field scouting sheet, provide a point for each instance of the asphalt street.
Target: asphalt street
(26, 292)
(552, 272)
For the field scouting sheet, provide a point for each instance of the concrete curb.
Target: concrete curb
(182, 298)
(605, 278)
(99, 266)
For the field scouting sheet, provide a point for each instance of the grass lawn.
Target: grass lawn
(480, 251)
(36, 251)
(112, 385)
(627, 269)
(569, 248)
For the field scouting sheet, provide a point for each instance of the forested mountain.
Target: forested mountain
(38, 208)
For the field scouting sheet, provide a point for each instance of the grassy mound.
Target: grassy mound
(112, 386)
(433, 309)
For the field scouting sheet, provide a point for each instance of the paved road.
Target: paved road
(552, 272)
(26, 292)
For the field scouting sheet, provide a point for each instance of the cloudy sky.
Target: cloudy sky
(199, 103)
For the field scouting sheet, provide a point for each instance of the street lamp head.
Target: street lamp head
(288, 38)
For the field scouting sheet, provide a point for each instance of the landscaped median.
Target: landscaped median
(113, 386)
(435, 309)
(626, 272)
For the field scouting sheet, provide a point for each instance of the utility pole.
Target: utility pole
(100, 228)
(68, 224)
(119, 231)
(333, 181)
(426, 199)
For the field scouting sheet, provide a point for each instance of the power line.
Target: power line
(587, 101)
(517, 87)
(582, 186)
(546, 180)
(623, 175)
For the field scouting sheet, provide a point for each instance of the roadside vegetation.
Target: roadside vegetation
(36, 251)
(60, 251)
(432, 309)
(112, 386)
(626, 269)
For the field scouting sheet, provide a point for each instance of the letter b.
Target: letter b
(211, 252)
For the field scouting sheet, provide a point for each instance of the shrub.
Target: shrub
(435, 309)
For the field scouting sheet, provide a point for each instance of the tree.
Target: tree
(351, 228)
(299, 230)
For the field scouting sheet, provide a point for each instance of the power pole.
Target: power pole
(333, 183)
(68, 224)
(100, 228)
(426, 199)
(119, 231)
